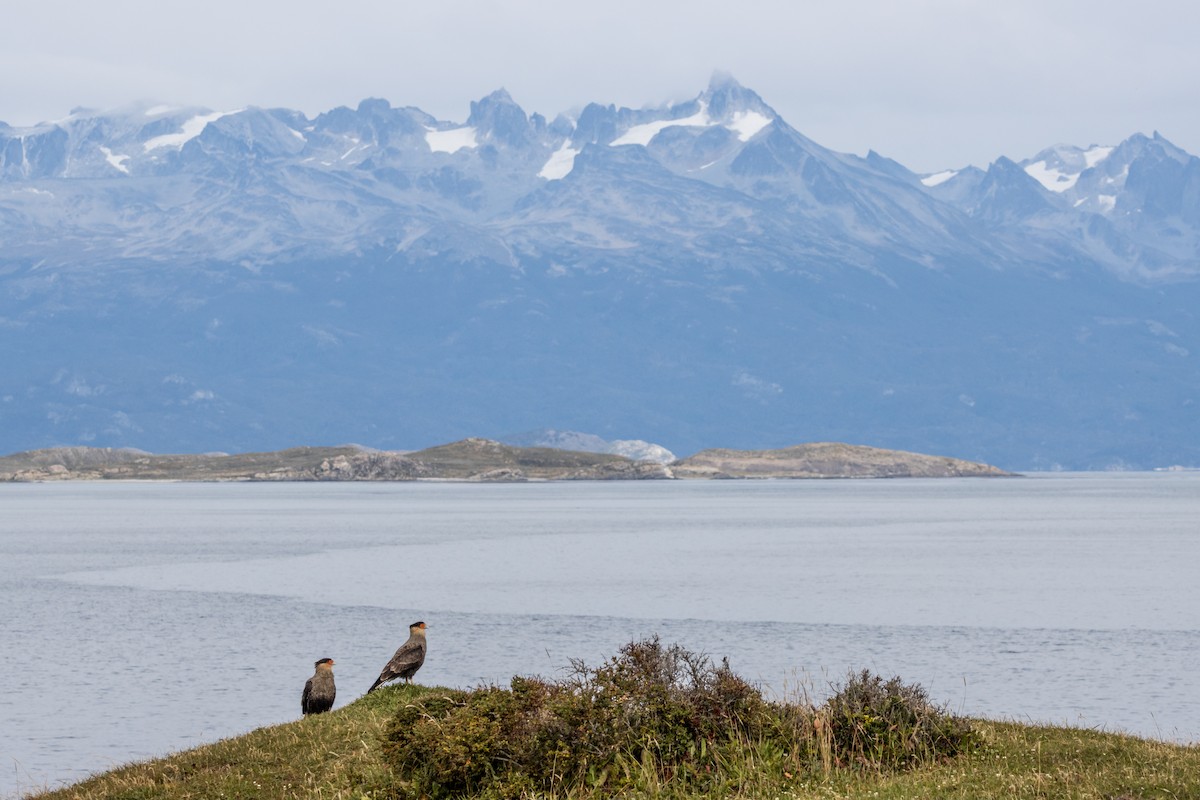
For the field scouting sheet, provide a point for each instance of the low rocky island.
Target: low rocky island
(827, 460)
(478, 460)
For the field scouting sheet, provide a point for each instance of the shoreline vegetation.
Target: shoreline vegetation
(480, 460)
(655, 721)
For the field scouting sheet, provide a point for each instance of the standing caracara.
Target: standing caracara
(319, 690)
(407, 660)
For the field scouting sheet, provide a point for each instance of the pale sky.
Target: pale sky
(930, 83)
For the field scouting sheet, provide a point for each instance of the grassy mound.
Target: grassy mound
(658, 722)
(335, 755)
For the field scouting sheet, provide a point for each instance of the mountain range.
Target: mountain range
(696, 275)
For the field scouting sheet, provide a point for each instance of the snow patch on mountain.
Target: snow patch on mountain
(1096, 154)
(938, 178)
(452, 140)
(747, 123)
(357, 146)
(560, 163)
(1053, 179)
(1058, 168)
(115, 159)
(190, 130)
(644, 133)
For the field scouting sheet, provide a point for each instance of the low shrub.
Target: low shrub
(876, 723)
(650, 718)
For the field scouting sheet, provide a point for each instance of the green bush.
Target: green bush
(876, 723)
(650, 718)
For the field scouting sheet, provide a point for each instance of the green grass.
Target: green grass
(335, 755)
(341, 755)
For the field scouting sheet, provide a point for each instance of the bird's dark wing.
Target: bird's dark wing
(410, 656)
(305, 696)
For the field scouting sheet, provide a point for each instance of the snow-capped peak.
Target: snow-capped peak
(745, 123)
(725, 103)
(1059, 167)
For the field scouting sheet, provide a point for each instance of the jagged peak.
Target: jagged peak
(1062, 151)
(1009, 175)
(721, 79)
(725, 103)
(500, 95)
(1009, 190)
(498, 116)
(725, 96)
(1083, 157)
(374, 105)
(1003, 165)
(1170, 147)
(890, 167)
(1139, 145)
(595, 123)
(499, 102)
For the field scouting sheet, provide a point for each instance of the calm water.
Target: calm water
(138, 619)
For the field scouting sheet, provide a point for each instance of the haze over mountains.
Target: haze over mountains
(698, 275)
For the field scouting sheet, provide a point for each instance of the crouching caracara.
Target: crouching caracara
(407, 660)
(319, 690)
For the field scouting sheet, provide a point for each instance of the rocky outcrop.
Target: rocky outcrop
(500, 475)
(371, 466)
